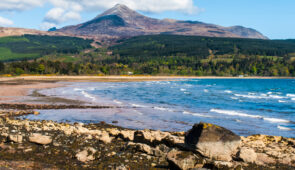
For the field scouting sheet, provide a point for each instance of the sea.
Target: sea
(245, 106)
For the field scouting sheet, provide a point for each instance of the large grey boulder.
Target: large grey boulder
(212, 141)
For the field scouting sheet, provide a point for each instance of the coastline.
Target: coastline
(68, 145)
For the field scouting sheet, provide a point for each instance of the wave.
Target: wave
(137, 105)
(284, 128)
(118, 102)
(261, 96)
(235, 113)
(293, 99)
(163, 109)
(290, 95)
(182, 89)
(206, 91)
(228, 91)
(282, 101)
(196, 114)
(276, 120)
(87, 95)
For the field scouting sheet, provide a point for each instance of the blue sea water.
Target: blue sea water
(245, 106)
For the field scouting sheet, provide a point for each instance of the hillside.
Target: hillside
(34, 46)
(120, 22)
(10, 31)
(171, 45)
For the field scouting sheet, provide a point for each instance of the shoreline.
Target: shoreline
(124, 78)
(102, 145)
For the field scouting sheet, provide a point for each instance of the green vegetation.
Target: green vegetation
(166, 55)
(35, 46)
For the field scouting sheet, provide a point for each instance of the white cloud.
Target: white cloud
(47, 25)
(69, 10)
(19, 5)
(5, 22)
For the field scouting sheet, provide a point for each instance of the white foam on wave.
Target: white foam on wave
(234, 98)
(228, 91)
(284, 128)
(290, 95)
(282, 101)
(293, 99)
(163, 109)
(137, 105)
(276, 120)
(78, 89)
(182, 89)
(235, 113)
(196, 114)
(87, 95)
(206, 91)
(118, 102)
(261, 96)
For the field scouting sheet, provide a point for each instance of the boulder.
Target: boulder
(15, 138)
(182, 160)
(86, 155)
(212, 141)
(40, 139)
(247, 155)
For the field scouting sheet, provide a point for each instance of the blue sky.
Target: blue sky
(274, 18)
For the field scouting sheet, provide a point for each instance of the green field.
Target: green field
(34, 46)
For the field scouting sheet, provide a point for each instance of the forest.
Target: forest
(168, 55)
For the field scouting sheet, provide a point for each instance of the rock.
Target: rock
(247, 155)
(264, 159)
(86, 155)
(149, 136)
(212, 141)
(182, 160)
(15, 138)
(36, 113)
(146, 149)
(127, 135)
(105, 137)
(40, 139)
(113, 131)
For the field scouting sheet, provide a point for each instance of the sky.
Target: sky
(273, 18)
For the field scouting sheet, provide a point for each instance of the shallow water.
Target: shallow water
(246, 106)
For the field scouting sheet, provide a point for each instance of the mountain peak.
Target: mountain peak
(120, 10)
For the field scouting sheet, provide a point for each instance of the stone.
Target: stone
(247, 155)
(149, 136)
(181, 160)
(40, 139)
(105, 137)
(145, 149)
(264, 159)
(86, 155)
(212, 141)
(15, 138)
(36, 113)
(127, 135)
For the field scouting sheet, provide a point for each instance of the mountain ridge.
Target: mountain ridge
(121, 22)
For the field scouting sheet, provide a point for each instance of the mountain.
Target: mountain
(120, 22)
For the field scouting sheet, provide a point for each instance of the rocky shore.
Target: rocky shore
(29, 144)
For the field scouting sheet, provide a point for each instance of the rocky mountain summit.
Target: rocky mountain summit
(120, 22)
